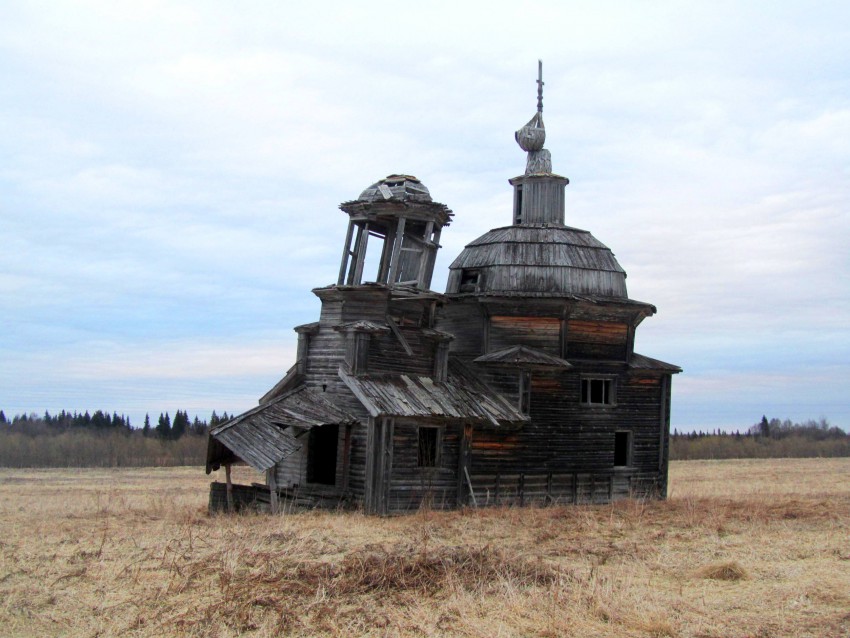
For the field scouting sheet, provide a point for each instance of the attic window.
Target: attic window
(469, 280)
(429, 447)
(597, 391)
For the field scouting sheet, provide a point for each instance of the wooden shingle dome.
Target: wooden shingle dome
(537, 260)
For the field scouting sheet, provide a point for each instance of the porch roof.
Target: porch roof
(258, 436)
(461, 396)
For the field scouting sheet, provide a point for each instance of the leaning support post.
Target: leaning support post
(273, 495)
(471, 491)
(229, 487)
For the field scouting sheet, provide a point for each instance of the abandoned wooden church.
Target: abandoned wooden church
(518, 385)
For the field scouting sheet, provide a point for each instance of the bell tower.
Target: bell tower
(395, 220)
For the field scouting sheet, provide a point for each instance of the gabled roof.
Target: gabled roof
(461, 396)
(641, 362)
(523, 357)
(258, 436)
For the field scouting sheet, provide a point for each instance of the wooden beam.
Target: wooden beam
(271, 479)
(425, 256)
(229, 487)
(361, 254)
(399, 237)
(346, 253)
(399, 336)
(432, 258)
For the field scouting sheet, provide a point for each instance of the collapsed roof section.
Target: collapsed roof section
(259, 438)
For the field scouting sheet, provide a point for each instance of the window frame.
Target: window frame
(629, 448)
(470, 280)
(438, 447)
(610, 380)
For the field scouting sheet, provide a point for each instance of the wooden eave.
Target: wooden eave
(397, 292)
(362, 325)
(361, 210)
(639, 362)
(523, 357)
(628, 306)
(461, 397)
(257, 436)
(436, 335)
(522, 178)
(308, 328)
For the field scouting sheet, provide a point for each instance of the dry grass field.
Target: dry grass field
(741, 548)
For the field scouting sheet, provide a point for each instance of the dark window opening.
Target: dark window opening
(518, 210)
(524, 392)
(469, 280)
(622, 448)
(429, 447)
(321, 454)
(597, 391)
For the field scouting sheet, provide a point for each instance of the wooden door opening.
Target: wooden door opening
(321, 454)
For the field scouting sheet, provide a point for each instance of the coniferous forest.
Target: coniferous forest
(101, 439)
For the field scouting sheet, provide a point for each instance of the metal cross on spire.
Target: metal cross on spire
(539, 86)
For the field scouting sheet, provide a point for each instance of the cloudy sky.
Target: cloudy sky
(170, 174)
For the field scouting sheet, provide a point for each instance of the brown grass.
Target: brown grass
(742, 548)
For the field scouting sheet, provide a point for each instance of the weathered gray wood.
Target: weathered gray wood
(229, 488)
(271, 480)
(396, 254)
(346, 253)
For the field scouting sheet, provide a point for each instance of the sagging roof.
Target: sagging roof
(461, 396)
(258, 436)
(523, 356)
(641, 362)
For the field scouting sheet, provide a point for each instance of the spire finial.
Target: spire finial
(539, 86)
(532, 136)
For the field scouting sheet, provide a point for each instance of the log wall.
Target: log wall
(411, 486)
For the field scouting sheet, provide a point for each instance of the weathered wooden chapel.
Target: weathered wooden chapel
(518, 385)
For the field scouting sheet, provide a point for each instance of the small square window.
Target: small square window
(597, 391)
(428, 452)
(469, 280)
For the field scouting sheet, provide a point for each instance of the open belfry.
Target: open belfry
(519, 385)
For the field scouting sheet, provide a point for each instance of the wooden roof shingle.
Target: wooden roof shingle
(258, 436)
(461, 396)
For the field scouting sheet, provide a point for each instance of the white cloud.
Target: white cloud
(171, 169)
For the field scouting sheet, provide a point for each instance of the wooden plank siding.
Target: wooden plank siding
(567, 439)
(540, 333)
(387, 355)
(411, 486)
(597, 339)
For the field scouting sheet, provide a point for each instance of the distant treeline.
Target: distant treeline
(769, 438)
(108, 440)
(71, 439)
(101, 421)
